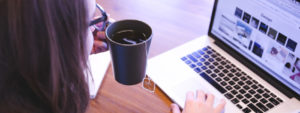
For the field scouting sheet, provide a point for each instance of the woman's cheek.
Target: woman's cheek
(90, 42)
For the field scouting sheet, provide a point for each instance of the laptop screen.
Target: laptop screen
(267, 32)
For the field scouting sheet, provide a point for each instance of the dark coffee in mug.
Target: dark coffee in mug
(128, 36)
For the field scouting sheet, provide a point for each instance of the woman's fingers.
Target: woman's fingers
(175, 108)
(210, 99)
(220, 106)
(99, 46)
(100, 35)
(200, 96)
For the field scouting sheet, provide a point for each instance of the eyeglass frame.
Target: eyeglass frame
(99, 19)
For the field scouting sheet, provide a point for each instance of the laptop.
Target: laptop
(250, 57)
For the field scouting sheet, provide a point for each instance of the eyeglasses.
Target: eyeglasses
(99, 18)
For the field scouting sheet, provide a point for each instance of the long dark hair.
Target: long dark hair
(43, 56)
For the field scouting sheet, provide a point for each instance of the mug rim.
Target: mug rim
(140, 43)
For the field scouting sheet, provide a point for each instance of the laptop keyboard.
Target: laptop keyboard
(243, 91)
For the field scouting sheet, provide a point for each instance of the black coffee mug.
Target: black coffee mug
(129, 42)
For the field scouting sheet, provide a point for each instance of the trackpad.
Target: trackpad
(193, 85)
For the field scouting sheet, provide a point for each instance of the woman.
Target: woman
(44, 46)
(43, 54)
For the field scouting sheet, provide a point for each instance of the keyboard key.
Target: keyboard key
(220, 67)
(216, 70)
(237, 87)
(204, 49)
(192, 58)
(262, 107)
(223, 83)
(263, 101)
(249, 77)
(188, 62)
(201, 52)
(243, 73)
(235, 79)
(226, 78)
(251, 91)
(235, 101)
(273, 95)
(242, 91)
(213, 75)
(211, 59)
(192, 65)
(211, 67)
(221, 74)
(199, 64)
(230, 75)
(212, 82)
(267, 90)
(234, 92)
(257, 96)
(241, 83)
(218, 59)
(231, 82)
(248, 95)
(197, 70)
(246, 87)
(228, 87)
(225, 71)
(203, 67)
(183, 58)
(243, 78)
(254, 86)
(254, 108)
(206, 63)
(238, 74)
(213, 55)
(223, 63)
(232, 70)
(228, 95)
(273, 101)
(239, 96)
(206, 56)
(239, 106)
(228, 66)
(208, 71)
(218, 79)
(245, 101)
(266, 95)
(279, 100)
(202, 59)
(208, 52)
(249, 82)
(246, 110)
(216, 63)
(259, 85)
(255, 82)
(260, 91)
(253, 100)
(269, 105)
(196, 54)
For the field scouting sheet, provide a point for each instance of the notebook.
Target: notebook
(98, 64)
(250, 57)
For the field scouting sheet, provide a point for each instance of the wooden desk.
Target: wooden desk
(173, 22)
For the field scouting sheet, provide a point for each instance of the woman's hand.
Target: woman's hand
(202, 103)
(100, 44)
